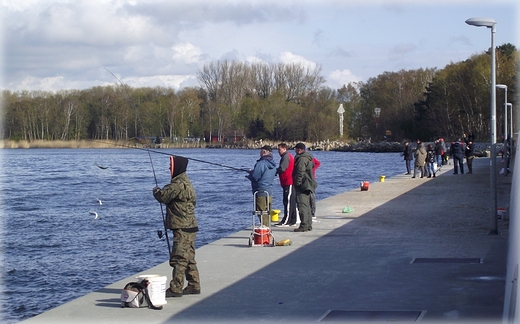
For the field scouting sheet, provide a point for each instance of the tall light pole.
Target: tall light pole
(510, 105)
(510, 137)
(504, 149)
(490, 23)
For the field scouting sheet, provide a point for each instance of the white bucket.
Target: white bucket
(156, 288)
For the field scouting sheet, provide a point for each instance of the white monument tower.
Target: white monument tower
(340, 112)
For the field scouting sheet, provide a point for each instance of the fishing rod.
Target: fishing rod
(151, 162)
(189, 158)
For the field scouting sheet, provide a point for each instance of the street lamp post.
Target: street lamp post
(510, 105)
(490, 23)
(504, 150)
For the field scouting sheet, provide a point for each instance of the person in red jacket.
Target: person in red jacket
(284, 171)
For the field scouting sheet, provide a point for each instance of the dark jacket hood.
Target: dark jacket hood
(180, 164)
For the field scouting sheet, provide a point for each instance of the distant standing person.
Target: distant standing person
(439, 152)
(408, 156)
(316, 165)
(262, 178)
(180, 200)
(284, 171)
(420, 159)
(305, 184)
(457, 153)
(470, 155)
(444, 156)
(430, 161)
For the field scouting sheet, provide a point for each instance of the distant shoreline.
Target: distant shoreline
(108, 144)
(379, 147)
(88, 144)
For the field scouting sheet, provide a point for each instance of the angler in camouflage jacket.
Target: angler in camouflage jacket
(180, 200)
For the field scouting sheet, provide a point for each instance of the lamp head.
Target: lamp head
(481, 22)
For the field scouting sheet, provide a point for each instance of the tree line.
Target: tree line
(289, 102)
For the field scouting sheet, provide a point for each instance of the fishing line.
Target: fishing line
(151, 162)
(189, 158)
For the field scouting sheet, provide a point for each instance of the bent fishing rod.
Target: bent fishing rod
(165, 153)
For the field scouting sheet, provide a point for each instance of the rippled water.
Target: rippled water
(53, 250)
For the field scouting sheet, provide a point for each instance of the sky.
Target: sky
(53, 45)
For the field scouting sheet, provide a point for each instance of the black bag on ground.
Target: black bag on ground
(135, 295)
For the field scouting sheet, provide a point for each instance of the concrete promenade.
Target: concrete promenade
(412, 250)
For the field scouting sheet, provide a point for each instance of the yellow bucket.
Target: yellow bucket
(382, 178)
(274, 215)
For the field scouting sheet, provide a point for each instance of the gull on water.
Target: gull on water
(99, 201)
(93, 213)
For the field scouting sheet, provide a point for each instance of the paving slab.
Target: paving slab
(411, 250)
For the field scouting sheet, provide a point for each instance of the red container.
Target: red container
(365, 185)
(262, 236)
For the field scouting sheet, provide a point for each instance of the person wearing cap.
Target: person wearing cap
(305, 184)
(262, 178)
(180, 200)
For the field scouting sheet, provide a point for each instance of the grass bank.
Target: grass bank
(86, 144)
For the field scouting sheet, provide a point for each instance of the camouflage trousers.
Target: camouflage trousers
(182, 260)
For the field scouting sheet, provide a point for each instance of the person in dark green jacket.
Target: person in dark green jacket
(305, 184)
(180, 200)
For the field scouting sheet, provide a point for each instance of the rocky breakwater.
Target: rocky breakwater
(481, 149)
(338, 146)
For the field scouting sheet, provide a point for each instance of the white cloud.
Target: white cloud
(186, 53)
(288, 58)
(254, 59)
(336, 79)
(47, 84)
(173, 81)
(71, 41)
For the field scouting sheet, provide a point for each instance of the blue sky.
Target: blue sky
(52, 45)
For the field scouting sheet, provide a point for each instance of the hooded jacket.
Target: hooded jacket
(303, 177)
(262, 176)
(420, 155)
(180, 198)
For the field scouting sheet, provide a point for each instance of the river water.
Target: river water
(54, 249)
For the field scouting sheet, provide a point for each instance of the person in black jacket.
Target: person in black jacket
(408, 156)
(430, 161)
(457, 153)
(470, 154)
